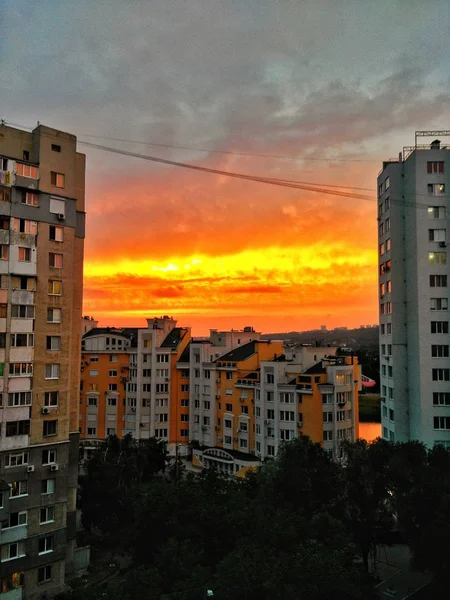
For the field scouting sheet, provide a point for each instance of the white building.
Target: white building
(413, 213)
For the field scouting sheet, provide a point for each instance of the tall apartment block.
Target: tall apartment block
(413, 217)
(41, 265)
(230, 399)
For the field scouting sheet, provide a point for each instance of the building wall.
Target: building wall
(61, 207)
(406, 362)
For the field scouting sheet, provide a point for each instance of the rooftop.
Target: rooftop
(173, 338)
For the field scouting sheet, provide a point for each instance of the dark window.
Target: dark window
(17, 428)
(56, 148)
(26, 155)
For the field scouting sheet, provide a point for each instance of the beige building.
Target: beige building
(41, 266)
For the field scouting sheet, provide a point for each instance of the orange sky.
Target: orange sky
(215, 252)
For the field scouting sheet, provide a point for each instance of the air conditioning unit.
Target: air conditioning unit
(133, 409)
(30, 468)
(217, 396)
(166, 379)
(219, 439)
(54, 467)
(218, 380)
(142, 424)
(241, 398)
(61, 216)
(45, 410)
(235, 439)
(266, 421)
(217, 428)
(204, 428)
(442, 245)
(300, 423)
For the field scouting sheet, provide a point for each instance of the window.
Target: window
(47, 486)
(50, 428)
(438, 280)
(184, 432)
(17, 428)
(162, 358)
(327, 436)
(270, 450)
(229, 407)
(112, 387)
(229, 375)
(228, 423)
(440, 374)
(11, 582)
(287, 397)
(44, 574)
(439, 351)
(382, 249)
(57, 179)
(112, 401)
(244, 410)
(184, 418)
(184, 387)
(436, 189)
(4, 252)
(18, 488)
(47, 515)
(56, 148)
(22, 311)
(439, 326)
(52, 371)
(270, 413)
(30, 198)
(387, 225)
(389, 328)
(436, 212)
(53, 342)
(441, 422)
(286, 434)
(54, 287)
(19, 399)
(243, 443)
(439, 303)
(45, 544)
(388, 244)
(382, 289)
(387, 184)
(92, 400)
(185, 402)
(15, 519)
(12, 551)
(388, 308)
(113, 358)
(22, 340)
(49, 457)
(270, 378)
(54, 315)
(207, 405)
(441, 398)
(436, 235)
(27, 171)
(287, 415)
(16, 459)
(55, 260)
(56, 233)
(388, 286)
(24, 254)
(435, 166)
(112, 373)
(327, 417)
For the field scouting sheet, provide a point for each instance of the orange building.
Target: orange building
(105, 360)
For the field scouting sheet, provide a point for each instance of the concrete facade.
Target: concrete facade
(42, 239)
(413, 213)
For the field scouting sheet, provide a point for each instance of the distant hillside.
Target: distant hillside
(363, 338)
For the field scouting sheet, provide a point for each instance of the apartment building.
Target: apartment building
(105, 357)
(268, 396)
(413, 213)
(41, 266)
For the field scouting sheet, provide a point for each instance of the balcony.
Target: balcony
(13, 594)
(13, 534)
(13, 442)
(246, 383)
(227, 365)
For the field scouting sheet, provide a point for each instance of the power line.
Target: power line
(271, 181)
(305, 186)
(233, 153)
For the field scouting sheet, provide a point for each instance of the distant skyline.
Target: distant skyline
(319, 79)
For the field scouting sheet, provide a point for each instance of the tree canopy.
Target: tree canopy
(301, 526)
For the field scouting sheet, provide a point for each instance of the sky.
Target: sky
(325, 89)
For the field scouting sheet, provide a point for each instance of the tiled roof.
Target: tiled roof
(240, 353)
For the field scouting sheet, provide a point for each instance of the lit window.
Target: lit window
(436, 189)
(27, 171)
(24, 254)
(436, 212)
(55, 260)
(437, 258)
(54, 287)
(57, 179)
